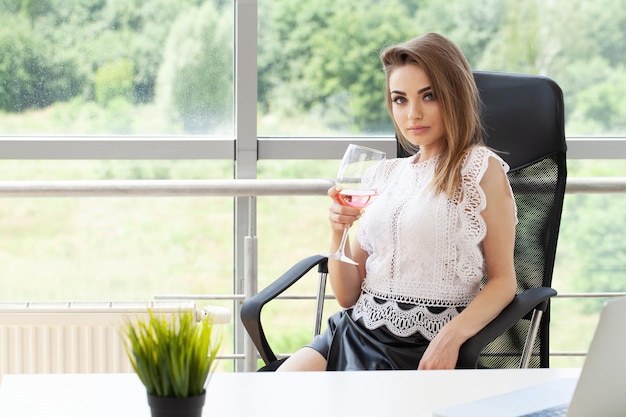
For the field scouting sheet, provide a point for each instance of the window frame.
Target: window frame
(245, 148)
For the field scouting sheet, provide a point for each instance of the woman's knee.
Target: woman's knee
(305, 359)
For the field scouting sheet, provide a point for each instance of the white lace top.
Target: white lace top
(424, 249)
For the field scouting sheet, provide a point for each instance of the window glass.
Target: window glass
(89, 67)
(319, 72)
(290, 228)
(114, 248)
(64, 249)
(590, 258)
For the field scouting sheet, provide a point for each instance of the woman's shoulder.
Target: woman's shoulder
(480, 161)
(479, 156)
(482, 151)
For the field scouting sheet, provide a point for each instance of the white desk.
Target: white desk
(363, 394)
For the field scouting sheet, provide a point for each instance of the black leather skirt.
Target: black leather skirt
(347, 345)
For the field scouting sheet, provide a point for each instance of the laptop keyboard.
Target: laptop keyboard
(558, 411)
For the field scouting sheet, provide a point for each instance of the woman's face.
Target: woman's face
(416, 110)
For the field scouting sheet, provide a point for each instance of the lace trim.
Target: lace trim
(472, 202)
(400, 322)
(459, 300)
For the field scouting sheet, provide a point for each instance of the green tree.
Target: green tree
(97, 32)
(601, 107)
(592, 245)
(323, 59)
(144, 26)
(472, 28)
(345, 67)
(114, 79)
(10, 6)
(31, 75)
(196, 78)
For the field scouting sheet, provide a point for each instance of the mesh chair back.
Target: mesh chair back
(524, 123)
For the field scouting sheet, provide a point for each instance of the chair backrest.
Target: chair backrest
(524, 121)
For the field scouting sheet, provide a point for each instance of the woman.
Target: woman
(444, 219)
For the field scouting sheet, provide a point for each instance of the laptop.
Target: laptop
(599, 391)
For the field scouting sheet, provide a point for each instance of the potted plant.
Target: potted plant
(173, 356)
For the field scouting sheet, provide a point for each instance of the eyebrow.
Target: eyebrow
(423, 90)
(420, 91)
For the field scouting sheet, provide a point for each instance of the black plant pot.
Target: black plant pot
(176, 407)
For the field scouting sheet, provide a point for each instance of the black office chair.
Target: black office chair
(524, 120)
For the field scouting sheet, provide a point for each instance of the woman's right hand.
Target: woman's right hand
(339, 214)
(345, 278)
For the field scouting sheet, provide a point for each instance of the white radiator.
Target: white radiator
(79, 337)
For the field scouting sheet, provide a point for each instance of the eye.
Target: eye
(429, 97)
(398, 99)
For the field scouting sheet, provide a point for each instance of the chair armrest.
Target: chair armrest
(523, 303)
(251, 309)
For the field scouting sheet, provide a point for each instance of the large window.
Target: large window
(106, 248)
(319, 71)
(166, 67)
(163, 67)
(98, 73)
(221, 89)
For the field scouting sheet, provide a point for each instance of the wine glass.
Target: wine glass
(357, 178)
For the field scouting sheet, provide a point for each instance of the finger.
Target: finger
(335, 194)
(341, 218)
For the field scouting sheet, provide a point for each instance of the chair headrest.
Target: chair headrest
(523, 116)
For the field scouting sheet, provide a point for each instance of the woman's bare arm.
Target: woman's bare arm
(500, 288)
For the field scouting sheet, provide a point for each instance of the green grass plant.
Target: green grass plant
(173, 355)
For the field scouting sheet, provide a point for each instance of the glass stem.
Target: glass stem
(344, 239)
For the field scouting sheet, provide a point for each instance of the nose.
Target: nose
(415, 112)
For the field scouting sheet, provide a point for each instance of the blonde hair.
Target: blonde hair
(454, 87)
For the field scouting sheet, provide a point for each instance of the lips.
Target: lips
(417, 129)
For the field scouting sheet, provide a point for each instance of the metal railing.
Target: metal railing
(251, 188)
(228, 188)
